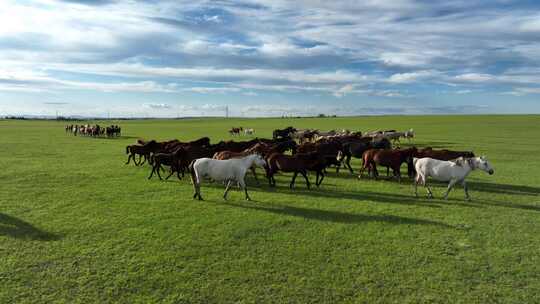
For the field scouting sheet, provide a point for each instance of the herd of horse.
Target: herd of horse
(94, 130)
(302, 151)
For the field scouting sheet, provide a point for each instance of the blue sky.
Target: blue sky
(269, 58)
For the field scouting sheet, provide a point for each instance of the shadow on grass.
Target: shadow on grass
(334, 216)
(19, 229)
(301, 190)
(112, 138)
(503, 188)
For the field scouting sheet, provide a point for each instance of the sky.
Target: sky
(268, 58)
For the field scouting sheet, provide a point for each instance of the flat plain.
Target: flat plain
(78, 225)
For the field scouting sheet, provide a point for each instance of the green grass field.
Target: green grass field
(79, 226)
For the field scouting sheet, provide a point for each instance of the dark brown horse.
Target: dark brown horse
(390, 158)
(167, 159)
(442, 154)
(235, 131)
(357, 147)
(298, 163)
(143, 151)
(283, 133)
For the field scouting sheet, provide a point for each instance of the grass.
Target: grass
(77, 225)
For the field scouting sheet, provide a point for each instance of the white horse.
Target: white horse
(409, 134)
(249, 131)
(228, 170)
(448, 171)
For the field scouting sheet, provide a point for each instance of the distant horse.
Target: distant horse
(448, 171)
(249, 131)
(235, 131)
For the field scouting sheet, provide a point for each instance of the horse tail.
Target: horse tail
(127, 149)
(415, 160)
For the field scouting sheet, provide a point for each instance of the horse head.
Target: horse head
(483, 164)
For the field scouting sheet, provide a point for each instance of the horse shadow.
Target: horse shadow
(503, 188)
(16, 228)
(322, 192)
(333, 216)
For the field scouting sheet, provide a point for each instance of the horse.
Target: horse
(283, 133)
(168, 159)
(143, 151)
(357, 148)
(448, 171)
(223, 155)
(223, 170)
(235, 131)
(298, 163)
(249, 131)
(388, 158)
(443, 154)
(329, 149)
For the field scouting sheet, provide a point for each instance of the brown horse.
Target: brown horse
(298, 163)
(143, 151)
(235, 131)
(167, 159)
(388, 158)
(442, 154)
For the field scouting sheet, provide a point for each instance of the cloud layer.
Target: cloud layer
(405, 54)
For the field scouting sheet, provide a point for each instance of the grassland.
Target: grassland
(77, 225)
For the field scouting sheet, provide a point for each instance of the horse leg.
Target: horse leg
(229, 182)
(293, 179)
(129, 158)
(152, 173)
(416, 180)
(303, 172)
(322, 177)
(424, 181)
(450, 186)
(374, 168)
(244, 186)
(171, 173)
(144, 160)
(255, 175)
(466, 189)
(348, 164)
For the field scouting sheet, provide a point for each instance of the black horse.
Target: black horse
(283, 133)
(357, 148)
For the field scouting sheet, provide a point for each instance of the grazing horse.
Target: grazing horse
(388, 158)
(283, 133)
(448, 171)
(298, 163)
(249, 131)
(223, 170)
